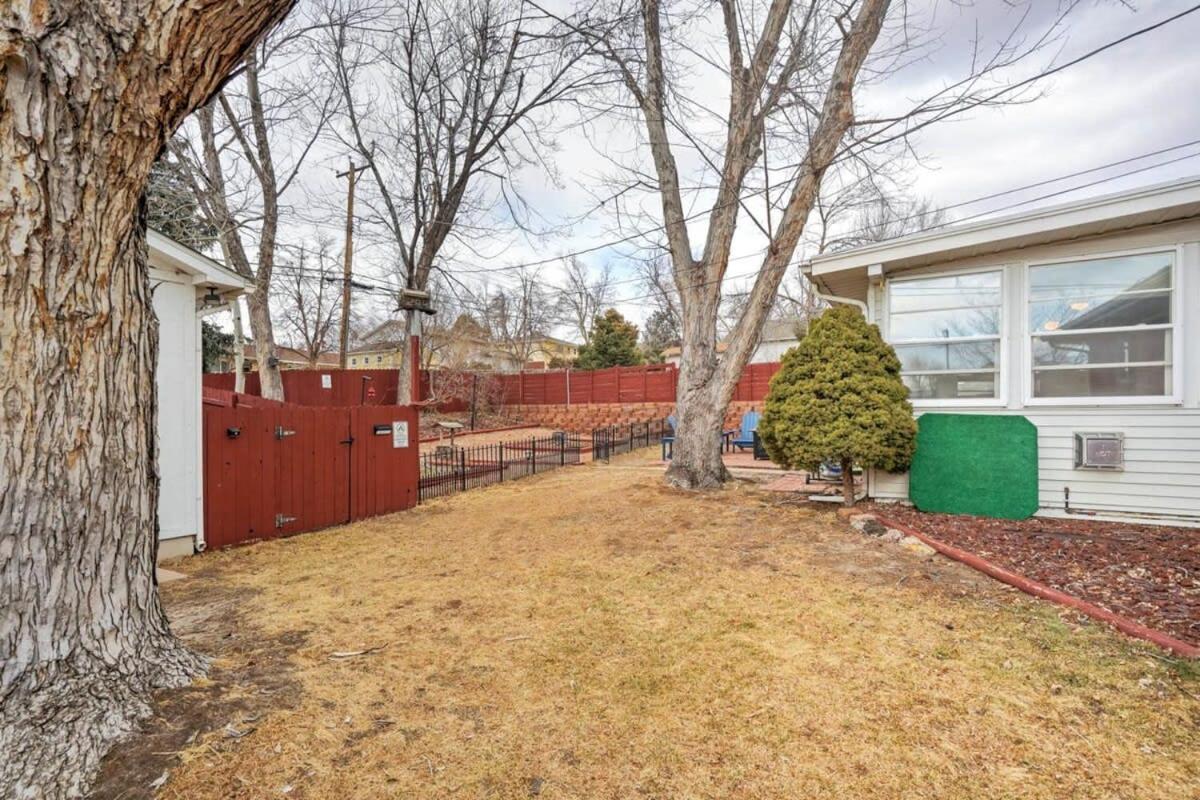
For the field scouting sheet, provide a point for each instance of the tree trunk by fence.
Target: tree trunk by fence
(90, 97)
(239, 346)
(700, 401)
(848, 498)
(269, 377)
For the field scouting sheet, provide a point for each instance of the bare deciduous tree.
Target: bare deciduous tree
(788, 71)
(241, 155)
(583, 296)
(308, 299)
(654, 277)
(443, 101)
(515, 317)
(89, 94)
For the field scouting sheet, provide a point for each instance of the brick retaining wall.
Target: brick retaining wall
(586, 417)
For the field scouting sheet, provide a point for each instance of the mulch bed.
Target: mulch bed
(1148, 573)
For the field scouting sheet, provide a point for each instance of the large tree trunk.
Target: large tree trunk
(89, 92)
(239, 347)
(706, 381)
(404, 388)
(700, 404)
(270, 379)
(848, 498)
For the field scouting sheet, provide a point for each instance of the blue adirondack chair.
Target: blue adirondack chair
(745, 436)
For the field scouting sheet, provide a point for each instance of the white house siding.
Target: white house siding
(770, 352)
(178, 380)
(1162, 441)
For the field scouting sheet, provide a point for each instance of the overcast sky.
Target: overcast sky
(1139, 97)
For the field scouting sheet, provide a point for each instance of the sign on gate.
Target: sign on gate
(400, 434)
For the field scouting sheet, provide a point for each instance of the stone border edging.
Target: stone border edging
(1124, 624)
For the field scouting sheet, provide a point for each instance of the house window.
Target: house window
(378, 359)
(1102, 327)
(353, 362)
(946, 332)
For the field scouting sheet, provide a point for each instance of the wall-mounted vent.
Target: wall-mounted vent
(1100, 451)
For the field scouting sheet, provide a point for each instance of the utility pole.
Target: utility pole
(348, 261)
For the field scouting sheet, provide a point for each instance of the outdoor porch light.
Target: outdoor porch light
(212, 299)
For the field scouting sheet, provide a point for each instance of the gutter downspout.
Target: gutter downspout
(806, 271)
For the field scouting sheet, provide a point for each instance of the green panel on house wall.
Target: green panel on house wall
(981, 464)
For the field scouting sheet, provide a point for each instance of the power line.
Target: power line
(386, 286)
(658, 228)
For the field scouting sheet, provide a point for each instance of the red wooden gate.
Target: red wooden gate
(278, 470)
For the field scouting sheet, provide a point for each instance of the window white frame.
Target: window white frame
(1175, 327)
(1001, 337)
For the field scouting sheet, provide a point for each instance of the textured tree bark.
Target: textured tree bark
(270, 378)
(848, 483)
(707, 381)
(239, 346)
(404, 389)
(700, 405)
(212, 197)
(89, 91)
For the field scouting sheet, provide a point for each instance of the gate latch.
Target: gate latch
(281, 520)
(282, 432)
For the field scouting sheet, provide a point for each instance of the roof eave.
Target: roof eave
(1149, 205)
(204, 271)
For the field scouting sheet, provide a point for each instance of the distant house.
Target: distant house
(463, 344)
(289, 358)
(1081, 317)
(778, 336)
(547, 350)
(187, 285)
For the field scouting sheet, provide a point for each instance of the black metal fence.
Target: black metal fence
(449, 470)
(617, 440)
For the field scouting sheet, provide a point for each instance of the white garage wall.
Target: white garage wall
(178, 380)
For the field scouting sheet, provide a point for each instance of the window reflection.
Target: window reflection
(1127, 301)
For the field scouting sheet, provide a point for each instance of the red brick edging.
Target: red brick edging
(1030, 586)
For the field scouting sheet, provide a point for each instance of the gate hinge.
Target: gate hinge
(281, 432)
(281, 520)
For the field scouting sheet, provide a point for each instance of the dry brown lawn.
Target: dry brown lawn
(592, 634)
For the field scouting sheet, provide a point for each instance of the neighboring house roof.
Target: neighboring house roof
(781, 330)
(774, 330)
(542, 337)
(379, 346)
(290, 355)
(845, 273)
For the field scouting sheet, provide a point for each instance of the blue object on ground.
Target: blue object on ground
(745, 437)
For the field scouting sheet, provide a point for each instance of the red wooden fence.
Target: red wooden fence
(322, 387)
(273, 469)
(649, 384)
(755, 381)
